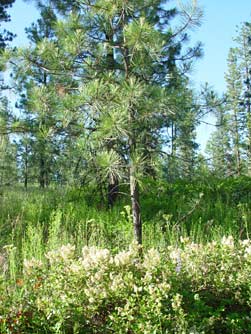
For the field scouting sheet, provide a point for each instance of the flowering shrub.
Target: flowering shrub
(192, 288)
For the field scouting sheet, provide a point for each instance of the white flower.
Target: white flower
(227, 241)
(31, 265)
(91, 300)
(117, 283)
(75, 268)
(184, 240)
(137, 289)
(151, 259)
(64, 253)
(122, 259)
(93, 257)
(67, 251)
(175, 255)
(245, 242)
(247, 252)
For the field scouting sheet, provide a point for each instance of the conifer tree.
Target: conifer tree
(237, 119)
(8, 170)
(5, 36)
(243, 51)
(183, 134)
(123, 58)
(235, 108)
(219, 146)
(37, 104)
(8, 166)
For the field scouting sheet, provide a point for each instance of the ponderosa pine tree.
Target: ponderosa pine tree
(243, 53)
(7, 149)
(5, 36)
(235, 108)
(182, 134)
(37, 103)
(41, 92)
(8, 165)
(238, 105)
(219, 146)
(135, 95)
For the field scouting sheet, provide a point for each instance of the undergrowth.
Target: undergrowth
(193, 288)
(37, 221)
(200, 286)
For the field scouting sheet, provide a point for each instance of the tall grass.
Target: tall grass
(36, 221)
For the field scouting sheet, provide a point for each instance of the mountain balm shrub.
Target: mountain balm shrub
(192, 288)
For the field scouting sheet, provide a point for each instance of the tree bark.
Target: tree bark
(135, 203)
(113, 188)
(248, 105)
(237, 145)
(26, 168)
(42, 173)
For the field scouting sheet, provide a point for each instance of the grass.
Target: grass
(36, 221)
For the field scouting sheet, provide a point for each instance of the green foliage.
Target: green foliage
(8, 152)
(205, 210)
(230, 144)
(191, 288)
(5, 36)
(35, 221)
(105, 74)
(188, 286)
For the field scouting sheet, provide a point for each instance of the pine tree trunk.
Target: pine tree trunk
(136, 216)
(237, 145)
(42, 173)
(113, 188)
(248, 104)
(249, 133)
(26, 168)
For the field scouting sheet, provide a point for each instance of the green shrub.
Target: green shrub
(193, 288)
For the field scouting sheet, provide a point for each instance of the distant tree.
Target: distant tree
(202, 167)
(5, 36)
(185, 133)
(8, 166)
(243, 55)
(234, 133)
(235, 108)
(219, 145)
(37, 105)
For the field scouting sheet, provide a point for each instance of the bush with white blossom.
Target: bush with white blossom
(193, 288)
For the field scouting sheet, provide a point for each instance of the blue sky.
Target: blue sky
(219, 27)
(22, 15)
(221, 18)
